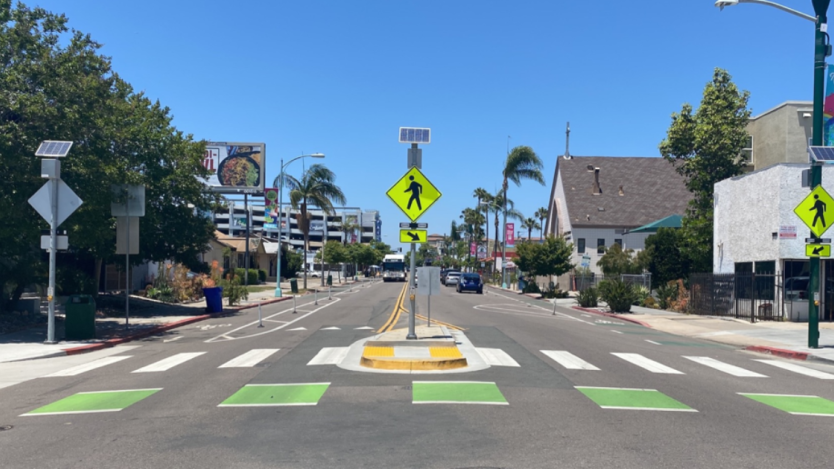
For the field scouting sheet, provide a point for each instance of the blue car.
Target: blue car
(471, 282)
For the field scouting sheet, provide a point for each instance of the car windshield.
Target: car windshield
(471, 277)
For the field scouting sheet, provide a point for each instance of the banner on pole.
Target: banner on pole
(828, 109)
(510, 234)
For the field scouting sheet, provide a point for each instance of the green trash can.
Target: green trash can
(80, 321)
(294, 285)
(330, 280)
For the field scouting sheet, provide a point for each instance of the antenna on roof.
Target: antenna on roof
(567, 143)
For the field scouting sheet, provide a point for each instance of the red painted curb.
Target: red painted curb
(778, 352)
(612, 315)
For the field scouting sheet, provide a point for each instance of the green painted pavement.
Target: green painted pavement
(105, 401)
(625, 398)
(456, 392)
(276, 394)
(797, 405)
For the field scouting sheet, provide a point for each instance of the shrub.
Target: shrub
(254, 275)
(588, 298)
(233, 290)
(666, 294)
(262, 275)
(642, 293)
(531, 287)
(618, 294)
(649, 303)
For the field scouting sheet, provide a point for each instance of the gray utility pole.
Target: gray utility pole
(53, 251)
(246, 255)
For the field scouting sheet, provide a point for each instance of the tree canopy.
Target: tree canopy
(54, 85)
(552, 257)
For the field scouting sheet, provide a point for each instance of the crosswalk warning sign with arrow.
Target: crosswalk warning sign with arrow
(816, 211)
(413, 236)
(413, 194)
(818, 250)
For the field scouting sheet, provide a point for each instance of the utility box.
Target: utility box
(80, 321)
(294, 285)
(330, 280)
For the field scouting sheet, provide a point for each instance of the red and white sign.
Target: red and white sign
(510, 234)
(211, 159)
(473, 248)
(787, 232)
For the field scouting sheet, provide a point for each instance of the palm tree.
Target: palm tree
(541, 214)
(481, 194)
(530, 224)
(316, 187)
(522, 163)
(496, 204)
(349, 225)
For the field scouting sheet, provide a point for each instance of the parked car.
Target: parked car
(471, 282)
(310, 273)
(452, 278)
(445, 273)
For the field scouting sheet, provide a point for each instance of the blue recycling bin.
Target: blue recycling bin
(214, 299)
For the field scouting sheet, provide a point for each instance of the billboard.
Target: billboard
(235, 167)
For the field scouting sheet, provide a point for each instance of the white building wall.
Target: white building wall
(559, 222)
(750, 209)
(591, 235)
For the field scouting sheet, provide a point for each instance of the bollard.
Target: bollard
(328, 293)
(293, 305)
(317, 297)
(554, 307)
(260, 317)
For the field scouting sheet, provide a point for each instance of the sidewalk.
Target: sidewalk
(147, 317)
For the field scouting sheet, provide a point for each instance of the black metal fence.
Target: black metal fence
(739, 295)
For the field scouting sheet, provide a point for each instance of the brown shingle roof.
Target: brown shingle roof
(651, 190)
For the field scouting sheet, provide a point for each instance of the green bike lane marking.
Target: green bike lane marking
(292, 394)
(635, 399)
(457, 392)
(92, 402)
(795, 404)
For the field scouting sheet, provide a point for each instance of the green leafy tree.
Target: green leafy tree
(617, 261)
(705, 148)
(316, 187)
(55, 85)
(667, 260)
(335, 253)
(552, 257)
(453, 233)
(380, 251)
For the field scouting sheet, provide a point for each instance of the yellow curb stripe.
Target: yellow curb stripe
(445, 352)
(435, 321)
(395, 314)
(378, 352)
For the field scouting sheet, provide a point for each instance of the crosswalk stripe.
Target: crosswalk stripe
(798, 369)
(331, 328)
(250, 358)
(726, 367)
(77, 370)
(168, 363)
(329, 356)
(569, 360)
(496, 357)
(645, 363)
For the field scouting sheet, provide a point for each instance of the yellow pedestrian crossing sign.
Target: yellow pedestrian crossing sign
(414, 194)
(413, 236)
(814, 211)
(818, 250)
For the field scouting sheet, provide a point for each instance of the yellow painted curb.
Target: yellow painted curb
(445, 352)
(414, 364)
(379, 352)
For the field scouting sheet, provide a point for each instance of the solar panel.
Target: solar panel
(822, 154)
(415, 135)
(53, 148)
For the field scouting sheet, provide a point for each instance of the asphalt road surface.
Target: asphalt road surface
(567, 390)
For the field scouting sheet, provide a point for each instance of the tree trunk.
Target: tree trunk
(541, 229)
(304, 261)
(529, 232)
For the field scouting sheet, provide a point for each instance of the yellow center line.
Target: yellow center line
(395, 314)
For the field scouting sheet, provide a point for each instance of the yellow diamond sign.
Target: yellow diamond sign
(414, 194)
(814, 211)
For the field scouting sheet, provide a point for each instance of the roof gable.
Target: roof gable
(634, 190)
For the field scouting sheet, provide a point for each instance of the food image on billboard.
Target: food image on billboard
(235, 167)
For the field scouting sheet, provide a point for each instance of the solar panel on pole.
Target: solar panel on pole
(53, 149)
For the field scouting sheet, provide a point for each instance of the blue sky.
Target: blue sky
(340, 77)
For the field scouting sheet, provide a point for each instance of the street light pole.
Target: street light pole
(821, 51)
(280, 202)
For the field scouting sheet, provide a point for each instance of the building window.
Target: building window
(747, 151)
(580, 245)
(744, 267)
(619, 242)
(601, 246)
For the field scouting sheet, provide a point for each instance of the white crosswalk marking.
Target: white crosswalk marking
(569, 360)
(250, 358)
(77, 370)
(725, 367)
(298, 329)
(329, 356)
(168, 363)
(362, 328)
(645, 363)
(331, 328)
(798, 369)
(496, 357)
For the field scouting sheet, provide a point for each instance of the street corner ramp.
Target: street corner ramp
(436, 350)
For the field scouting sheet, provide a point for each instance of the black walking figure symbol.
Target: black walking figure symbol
(819, 206)
(416, 189)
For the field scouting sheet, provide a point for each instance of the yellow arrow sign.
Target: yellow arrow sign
(413, 236)
(414, 194)
(818, 250)
(813, 211)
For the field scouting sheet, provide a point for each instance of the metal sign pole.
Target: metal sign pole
(246, 262)
(428, 314)
(127, 270)
(411, 334)
(53, 249)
